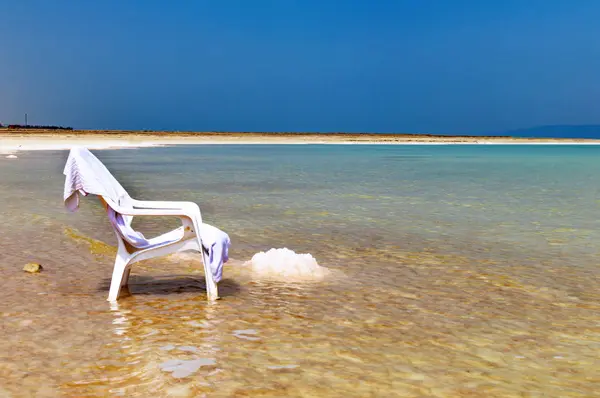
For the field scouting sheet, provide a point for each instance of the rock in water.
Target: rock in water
(11, 157)
(32, 268)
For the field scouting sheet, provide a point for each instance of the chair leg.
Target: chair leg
(125, 281)
(118, 278)
(211, 287)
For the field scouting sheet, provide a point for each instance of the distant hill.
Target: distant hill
(30, 127)
(557, 131)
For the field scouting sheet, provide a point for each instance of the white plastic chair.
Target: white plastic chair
(131, 250)
(85, 173)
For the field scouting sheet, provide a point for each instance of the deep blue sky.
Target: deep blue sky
(305, 65)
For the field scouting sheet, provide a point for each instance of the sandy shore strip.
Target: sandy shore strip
(12, 141)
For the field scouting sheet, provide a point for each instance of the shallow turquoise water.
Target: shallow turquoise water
(459, 270)
(535, 199)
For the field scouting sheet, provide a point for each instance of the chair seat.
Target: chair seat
(164, 239)
(138, 240)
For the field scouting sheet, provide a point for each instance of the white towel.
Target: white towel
(217, 244)
(85, 174)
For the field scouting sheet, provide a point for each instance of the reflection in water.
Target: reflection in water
(161, 353)
(120, 321)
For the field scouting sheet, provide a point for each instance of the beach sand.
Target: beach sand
(12, 141)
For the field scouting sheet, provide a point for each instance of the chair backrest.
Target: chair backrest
(90, 174)
(85, 172)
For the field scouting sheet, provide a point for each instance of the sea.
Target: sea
(443, 271)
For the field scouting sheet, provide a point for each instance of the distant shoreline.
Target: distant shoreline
(25, 140)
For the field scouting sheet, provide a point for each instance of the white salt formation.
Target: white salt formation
(286, 264)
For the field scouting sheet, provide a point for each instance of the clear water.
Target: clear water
(456, 271)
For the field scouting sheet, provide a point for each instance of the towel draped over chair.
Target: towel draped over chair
(85, 174)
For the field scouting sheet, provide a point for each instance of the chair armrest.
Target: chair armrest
(190, 212)
(157, 204)
(154, 212)
(189, 207)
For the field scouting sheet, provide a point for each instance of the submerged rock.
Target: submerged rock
(33, 268)
(181, 368)
(96, 247)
